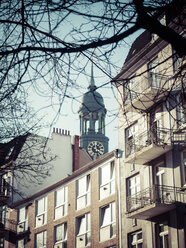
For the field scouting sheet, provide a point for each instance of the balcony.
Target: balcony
(7, 225)
(147, 146)
(4, 193)
(141, 95)
(179, 138)
(154, 201)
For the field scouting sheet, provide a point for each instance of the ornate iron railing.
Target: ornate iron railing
(155, 194)
(8, 225)
(5, 189)
(135, 89)
(179, 137)
(158, 136)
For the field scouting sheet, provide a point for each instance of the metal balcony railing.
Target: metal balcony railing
(135, 89)
(179, 137)
(4, 190)
(155, 194)
(158, 136)
(8, 225)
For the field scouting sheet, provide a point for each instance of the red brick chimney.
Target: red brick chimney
(76, 153)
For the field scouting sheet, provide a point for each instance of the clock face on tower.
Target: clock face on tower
(95, 148)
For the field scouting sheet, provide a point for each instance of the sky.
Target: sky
(68, 119)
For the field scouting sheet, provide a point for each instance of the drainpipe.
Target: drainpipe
(118, 155)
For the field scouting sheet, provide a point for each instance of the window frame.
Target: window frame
(64, 233)
(183, 167)
(63, 205)
(136, 185)
(22, 222)
(2, 242)
(136, 242)
(153, 71)
(176, 61)
(44, 239)
(109, 185)
(131, 132)
(85, 194)
(111, 222)
(41, 213)
(162, 234)
(87, 231)
(180, 110)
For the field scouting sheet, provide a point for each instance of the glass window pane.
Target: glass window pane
(58, 233)
(20, 243)
(135, 239)
(105, 174)
(139, 236)
(166, 241)
(88, 222)
(106, 216)
(113, 212)
(59, 197)
(112, 170)
(41, 239)
(21, 214)
(82, 225)
(88, 182)
(81, 186)
(41, 205)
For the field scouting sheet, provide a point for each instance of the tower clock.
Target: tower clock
(92, 115)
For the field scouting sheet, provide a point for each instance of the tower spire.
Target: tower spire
(92, 85)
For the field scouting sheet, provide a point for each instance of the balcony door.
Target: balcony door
(154, 74)
(156, 125)
(131, 140)
(160, 181)
(133, 192)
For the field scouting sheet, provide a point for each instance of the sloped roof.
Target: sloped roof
(140, 42)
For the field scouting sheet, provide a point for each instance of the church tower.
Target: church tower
(92, 115)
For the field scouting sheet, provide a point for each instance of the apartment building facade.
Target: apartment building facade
(78, 211)
(152, 136)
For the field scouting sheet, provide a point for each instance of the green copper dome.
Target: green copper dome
(92, 101)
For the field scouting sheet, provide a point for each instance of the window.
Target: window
(183, 158)
(41, 211)
(2, 215)
(181, 110)
(61, 201)
(130, 90)
(40, 241)
(156, 135)
(154, 78)
(83, 230)
(83, 192)
(22, 225)
(1, 242)
(5, 182)
(163, 241)
(135, 240)
(21, 243)
(107, 180)
(133, 187)
(176, 61)
(61, 234)
(134, 222)
(108, 221)
(130, 139)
